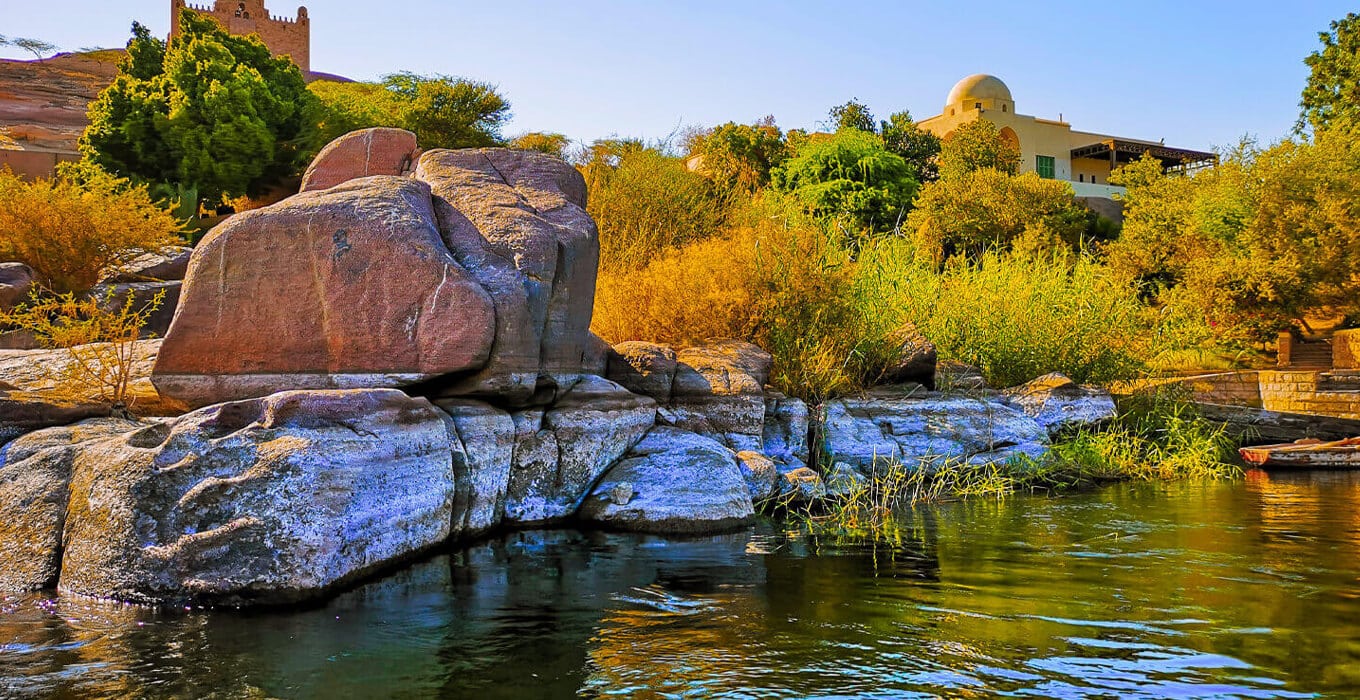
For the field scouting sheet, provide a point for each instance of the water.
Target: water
(1246, 589)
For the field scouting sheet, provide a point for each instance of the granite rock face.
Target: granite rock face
(719, 392)
(377, 151)
(258, 501)
(114, 296)
(1059, 404)
(676, 482)
(16, 281)
(349, 287)
(169, 264)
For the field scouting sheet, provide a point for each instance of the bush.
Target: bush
(850, 179)
(70, 233)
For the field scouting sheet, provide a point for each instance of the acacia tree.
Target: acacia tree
(1331, 98)
(850, 178)
(210, 111)
(37, 47)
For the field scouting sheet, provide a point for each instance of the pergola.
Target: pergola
(1119, 152)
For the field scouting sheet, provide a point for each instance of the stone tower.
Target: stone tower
(284, 36)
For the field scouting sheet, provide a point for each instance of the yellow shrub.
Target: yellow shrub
(69, 233)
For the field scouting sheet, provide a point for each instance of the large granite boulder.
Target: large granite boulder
(516, 222)
(561, 451)
(786, 432)
(643, 368)
(719, 392)
(926, 432)
(40, 395)
(169, 264)
(113, 297)
(377, 151)
(914, 361)
(349, 287)
(483, 439)
(16, 281)
(673, 481)
(258, 501)
(35, 480)
(1059, 404)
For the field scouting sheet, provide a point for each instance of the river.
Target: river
(1238, 589)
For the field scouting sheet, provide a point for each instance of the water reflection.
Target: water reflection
(1241, 590)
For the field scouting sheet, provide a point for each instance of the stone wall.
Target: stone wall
(1320, 393)
(1346, 349)
(285, 36)
(1223, 388)
(31, 165)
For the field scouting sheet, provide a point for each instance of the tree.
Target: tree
(918, 147)
(37, 47)
(852, 115)
(553, 144)
(976, 145)
(1331, 98)
(850, 178)
(741, 156)
(347, 107)
(210, 110)
(989, 210)
(443, 111)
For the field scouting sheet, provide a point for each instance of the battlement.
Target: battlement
(285, 36)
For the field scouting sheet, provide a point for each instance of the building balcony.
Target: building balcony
(1090, 189)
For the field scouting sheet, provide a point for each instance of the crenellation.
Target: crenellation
(285, 36)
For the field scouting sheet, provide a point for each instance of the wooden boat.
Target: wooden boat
(1306, 454)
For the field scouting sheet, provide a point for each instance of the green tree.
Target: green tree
(976, 145)
(850, 178)
(221, 114)
(447, 112)
(988, 210)
(918, 147)
(552, 144)
(852, 115)
(347, 107)
(741, 156)
(1331, 98)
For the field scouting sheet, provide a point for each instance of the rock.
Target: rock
(378, 151)
(349, 287)
(35, 479)
(761, 474)
(719, 392)
(802, 485)
(1059, 404)
(516, 221)
(560, 452)
(25, 412)
(844, 480)
(483, 439)
(926, 432)
(260, 501)
(952, 375)
(643, 368)
(785, 435)
(595, 358)
(16, 281)
(19, 340)
(621, 493)
(169, 264)
(915, 360)
(113, 297)
(683, 483)
(35, 373)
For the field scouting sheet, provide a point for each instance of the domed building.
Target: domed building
(1051, 147)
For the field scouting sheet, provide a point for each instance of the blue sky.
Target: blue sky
(1198, 73)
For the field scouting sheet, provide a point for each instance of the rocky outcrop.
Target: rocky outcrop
(476, 276)
(16, 281)
(914, 362)
(35, 480)
(719, 392)
(673, 481)
(561, 451)
(113, 298)
(786, 431)
(169, 264)
(483, 442)
(924, 432)
(264, 500)
(643, 368)
(377, 151)
(34, 375)
(24, 412)
(349, 287)
(1058, 403)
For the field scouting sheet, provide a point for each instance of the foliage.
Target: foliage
(645, 202)
(741, 156)
(442, 111)
(976, 145)
(99, 337)
(210, 110)
(37, 47)
(552, 144)
(69, 231)
(986, 209)
(1015, 316)
(852, 115)
(1331, 98)
(918, 147)
(347, 107)
(851, 179)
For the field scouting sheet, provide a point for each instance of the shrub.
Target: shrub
(851, 179)
(99, 337)
(976, 145)
(69, 233)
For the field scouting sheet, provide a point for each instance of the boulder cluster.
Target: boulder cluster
(399, 357)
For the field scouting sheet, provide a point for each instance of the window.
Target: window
(977, 105)
(1003, 107)
(1093, 178)
(1044, 166)
(1081, 178)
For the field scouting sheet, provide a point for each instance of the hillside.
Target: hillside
(43, 103)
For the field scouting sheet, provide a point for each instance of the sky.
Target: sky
(1197, 73)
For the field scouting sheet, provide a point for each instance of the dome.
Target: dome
(979, 87)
